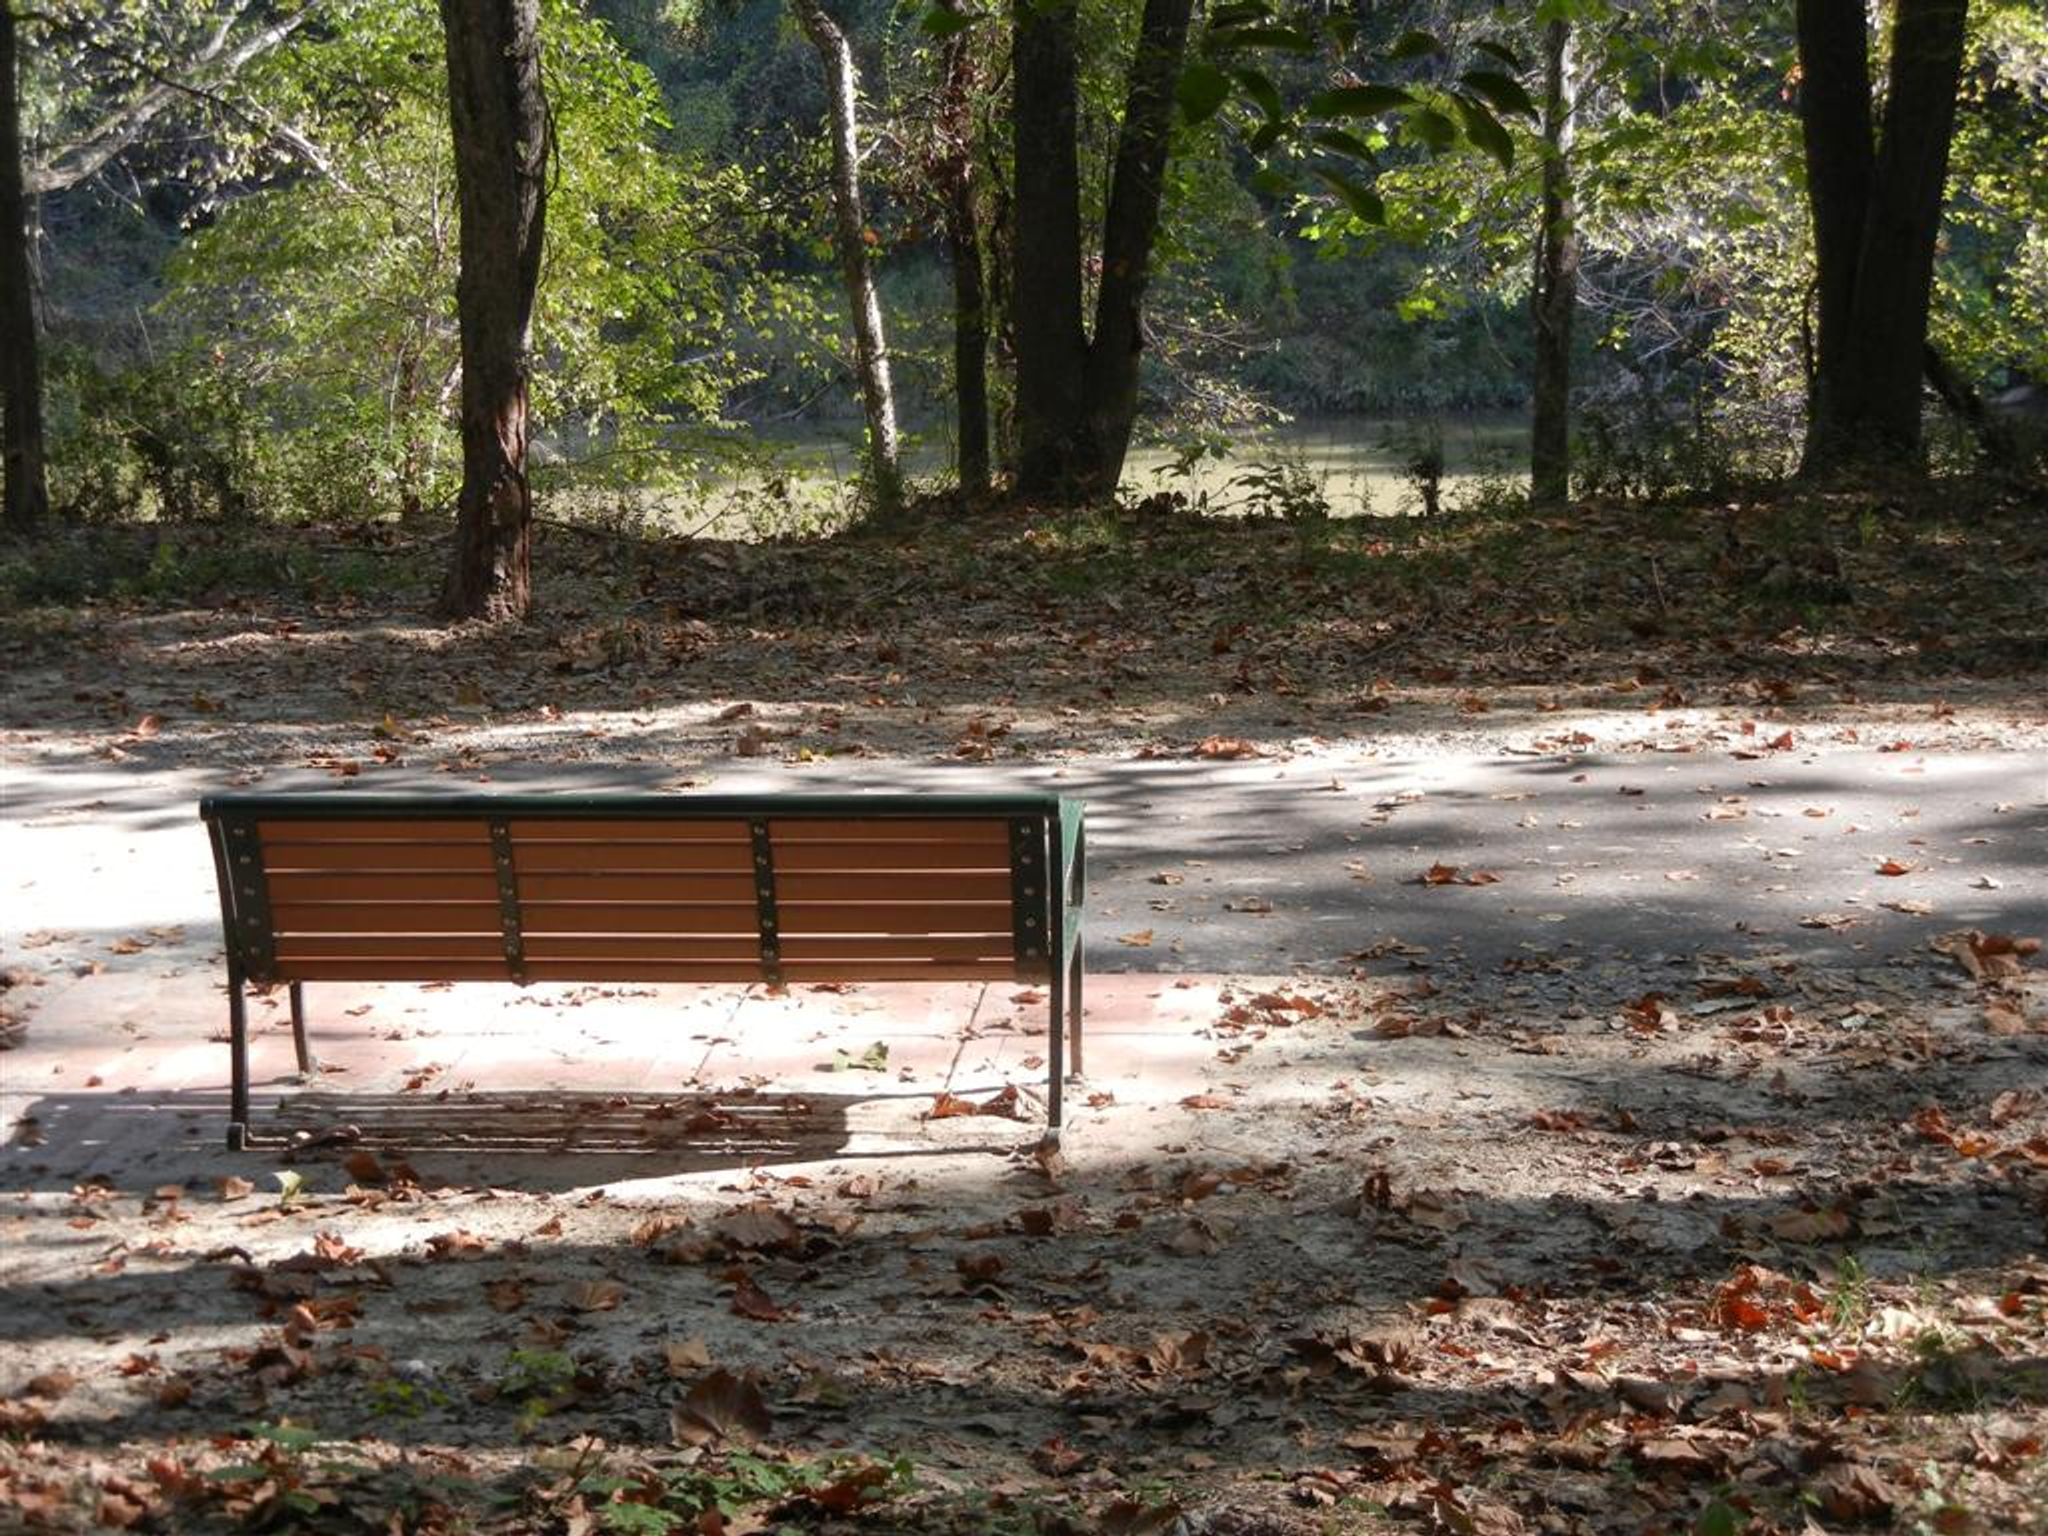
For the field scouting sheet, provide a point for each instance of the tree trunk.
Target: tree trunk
(1077, 398)
(870, 342)
(1834, 122)
(1045, 246)
(502, 141)
(963, 254)
(1555, 294)
(21, 366)
(1876, 218)
(1128, 231)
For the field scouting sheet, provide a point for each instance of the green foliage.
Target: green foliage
(309, 363)
(1991, 282)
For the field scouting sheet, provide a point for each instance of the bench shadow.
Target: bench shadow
(545, 1140)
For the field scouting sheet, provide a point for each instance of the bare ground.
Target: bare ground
(1742, 1234)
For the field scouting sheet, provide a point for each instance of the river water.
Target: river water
(1352, 466)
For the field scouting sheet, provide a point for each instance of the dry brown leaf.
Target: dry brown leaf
(721, 1408)
(758, 1226)
(597, 1296)
(682, 1356)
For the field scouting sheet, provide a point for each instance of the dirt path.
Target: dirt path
(1541, 1080)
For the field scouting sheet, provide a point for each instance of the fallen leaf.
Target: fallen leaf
(721, 1407)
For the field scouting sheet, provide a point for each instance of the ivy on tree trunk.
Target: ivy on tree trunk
(499, 116)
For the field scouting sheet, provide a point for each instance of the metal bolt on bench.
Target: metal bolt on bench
(658, 888)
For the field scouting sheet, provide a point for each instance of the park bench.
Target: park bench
(776, 889)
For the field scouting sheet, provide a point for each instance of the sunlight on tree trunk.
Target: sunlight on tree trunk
(1555, 294)
(502, 140)
(28, 495)
(870, 341)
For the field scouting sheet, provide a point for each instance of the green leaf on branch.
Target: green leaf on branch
(1504, 93)
(1263, 92)
(1414, 45)
(1430, 127)
(1501, 51)
(1202, 90)
(1484, 130)
(1344, 142)
(1362, 201)
(1268, 135)
(1359, 101)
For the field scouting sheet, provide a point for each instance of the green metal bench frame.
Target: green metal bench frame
(1047, 864)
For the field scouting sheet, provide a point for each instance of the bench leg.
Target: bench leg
(1074, 1014)
(308, 1062)
(238, 1068)
(1055, 1043)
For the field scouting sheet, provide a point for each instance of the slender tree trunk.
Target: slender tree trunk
(870, 342)
(1129, 229)
(21, 365)
(1876, 218)
(1000, 230)
(1045, 244)
(502, 137)
(1554, 296)
(1834, 122)
(963, 254)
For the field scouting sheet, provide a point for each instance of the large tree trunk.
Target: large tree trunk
(1555, 294)
(1876, 218)
(1077, 398)
(1128, 231)
(963, 254)
(502, 142)
(1045, 246)
(870, 342)
(21, 366)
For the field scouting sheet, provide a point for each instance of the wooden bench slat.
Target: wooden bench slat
(632, 857)
(635, 917)
(892, 917)
(393, 950)
(542, 829)
(385, 917)
(788, 831)
(895, 885)
(898, 970)
(864, 946)
(612, 886)
(827, 858)
(633, 946)
(352, 830)
(391, 886)
(373, 858)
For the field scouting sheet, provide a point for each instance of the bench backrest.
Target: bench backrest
(363, 887)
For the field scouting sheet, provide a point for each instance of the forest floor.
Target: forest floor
(1570, 1051)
